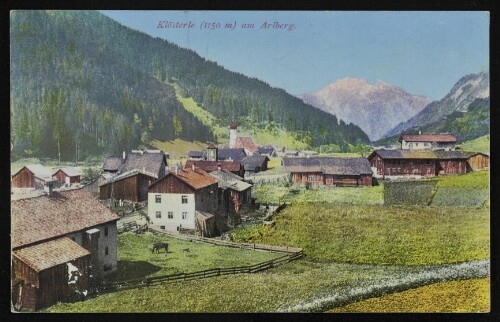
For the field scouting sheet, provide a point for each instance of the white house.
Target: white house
(428, 142)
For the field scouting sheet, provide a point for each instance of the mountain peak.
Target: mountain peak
(375, 108)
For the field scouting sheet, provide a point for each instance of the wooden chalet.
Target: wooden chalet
(152, 161)
(113, 164)
(428, 141)
(210, 166)
(67, 175)
(132, 185)
(267, 150)
(59, 242)
(32, 176)
(174, 199)
(318, 171)
(233, 191)
(426, 163)
(255, 163)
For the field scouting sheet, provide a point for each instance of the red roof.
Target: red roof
(196, 179)
(428, 138)
(245, 142)
(232, 126)
(40, 218)
(210, 166)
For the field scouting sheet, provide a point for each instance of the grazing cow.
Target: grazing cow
(158, 246)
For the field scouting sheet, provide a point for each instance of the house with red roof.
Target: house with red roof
(184, 199)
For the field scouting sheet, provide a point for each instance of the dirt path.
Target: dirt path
(419, 277)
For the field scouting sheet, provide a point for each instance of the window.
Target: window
(158, 214)
(184, 215)
(106, 251)
(416, 144)
(311, 178)
(184, 199)
(106, 231)
(162, 227)
(170, 215)
(158, 199)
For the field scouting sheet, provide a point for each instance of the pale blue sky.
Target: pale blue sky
(425, 53)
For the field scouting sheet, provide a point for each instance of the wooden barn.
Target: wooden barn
(60, 243)
(67, 175)
(255, 163)
(132, 185)
(479, 161)
(50, 272)
(425, 163)
(209, 166)
(32, 176)
(233, 191)
(318, 171)
(442, 141)
(152, 161)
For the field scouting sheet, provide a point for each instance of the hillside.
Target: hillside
(460, 99)
(375, 108)
(82, 83)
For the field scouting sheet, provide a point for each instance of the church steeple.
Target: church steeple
(233, 133)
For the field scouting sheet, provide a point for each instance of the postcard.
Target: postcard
(250, 161)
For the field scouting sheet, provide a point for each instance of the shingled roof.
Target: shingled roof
(336, 166)
(253, 161)
(228, 180)
(196, 154)
(196, 179)
(69, 171)
(38, 171)
(245, 142)
(150, 161)
(51, 253)
(112, 163)
(428, 138)
(45, 217)
(233, 154)
(210, 166)
(423, 154)
(126, 175)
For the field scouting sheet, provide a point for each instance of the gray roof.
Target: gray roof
(237, 154)
(269, 149)
(112, 163)
(70, 171)
(39, 171)
(196, 154)
(423, 154)
(337, 166)
(147, 161)
(227, 180)
(253, 161)
(128, 174)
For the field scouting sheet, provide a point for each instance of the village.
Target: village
(65, 233)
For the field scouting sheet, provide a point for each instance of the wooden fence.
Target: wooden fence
(107, 287)
(133, 227)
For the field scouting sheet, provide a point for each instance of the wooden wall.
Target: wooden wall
(452, 166)
(23, 179)
(479, 161)
(45, 288)
(171, 184)
(61, 177)
(133, 188)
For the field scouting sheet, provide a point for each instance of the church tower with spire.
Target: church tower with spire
(233, 134)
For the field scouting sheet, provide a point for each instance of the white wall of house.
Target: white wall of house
(171, 205)
(427, 145)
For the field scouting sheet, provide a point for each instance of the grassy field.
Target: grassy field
(267, 291)
(476, 179)
(136, 260)
(344, 195)
(454, 297)
(481, 144)
(378, 234)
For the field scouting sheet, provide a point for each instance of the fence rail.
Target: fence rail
(107, 287)
(290, 254)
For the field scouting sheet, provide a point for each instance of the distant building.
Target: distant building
(210, 166)
(428, 163)
(59, 242)
(234, 192)
(132, 185)
(231, 154)
(153, 161)
(212, 152)
(196, 155)
(316, 171)
(428, 142)
(267, 150)
(255, 163)
(175, 199)
(67, 175)
(246, 143)
(32, 176)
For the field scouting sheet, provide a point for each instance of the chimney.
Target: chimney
(419, 132)
(143, 169)
(307, 155)
(218, 166)
(176, 169)
(192, 167)
(48, 187)
(124, 155)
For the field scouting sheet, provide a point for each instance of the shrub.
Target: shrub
(461, 197)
